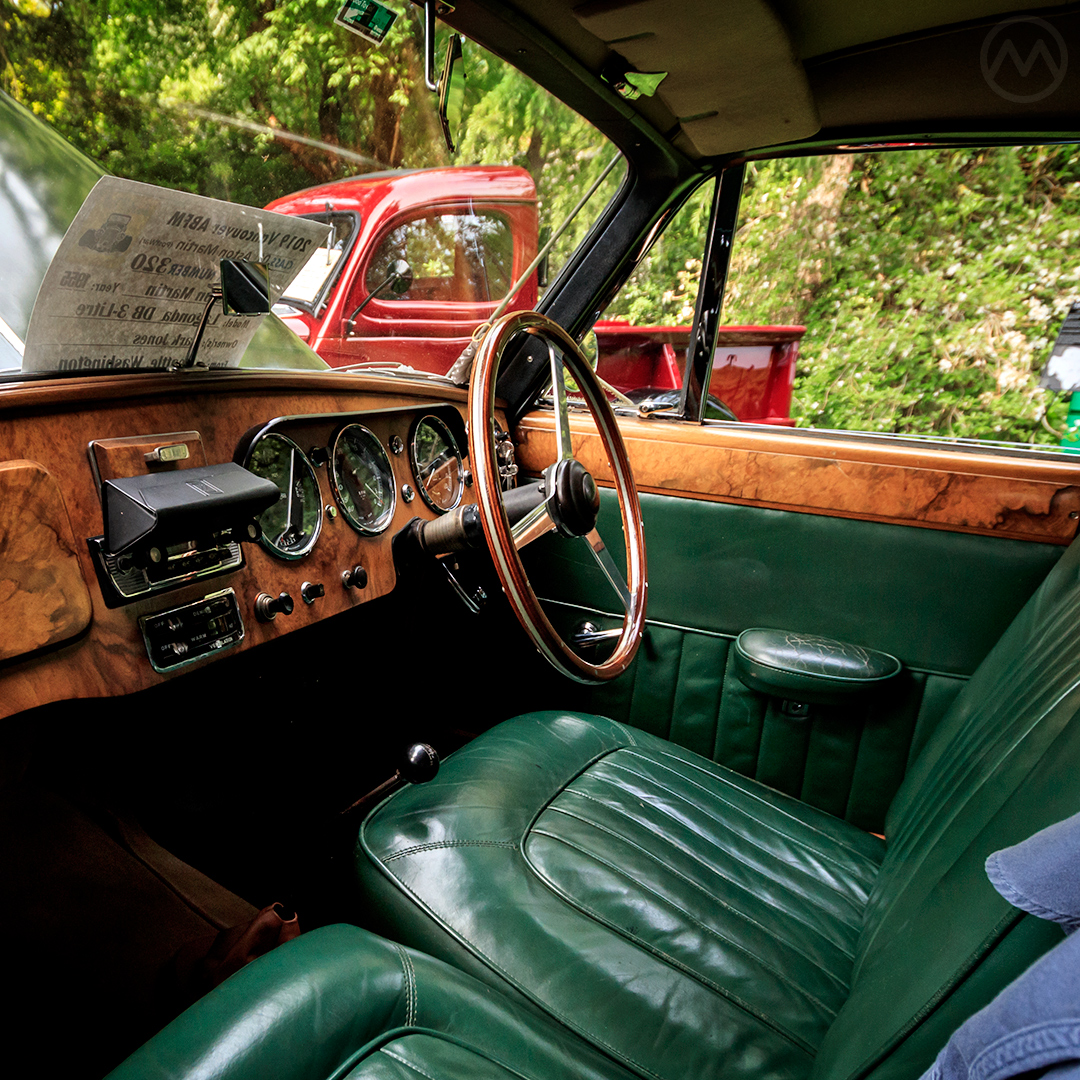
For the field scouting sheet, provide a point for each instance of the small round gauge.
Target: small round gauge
(437, 465)
(291, 526)
(362, 479)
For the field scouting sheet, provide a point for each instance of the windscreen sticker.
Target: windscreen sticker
(129, 284)
(368, 18)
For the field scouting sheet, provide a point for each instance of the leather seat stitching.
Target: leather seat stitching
(526, 991)
(866, 861)
(686, 969)
(833, 841)
(410, 986)
(771, 856)
(716, 899)
(436, 845)
(720, 777)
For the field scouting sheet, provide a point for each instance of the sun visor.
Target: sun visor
(167, 508)
(740, 86)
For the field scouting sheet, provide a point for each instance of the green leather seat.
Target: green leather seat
(339, 1002)
(691, 922)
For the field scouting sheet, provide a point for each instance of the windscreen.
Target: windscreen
(297, 107)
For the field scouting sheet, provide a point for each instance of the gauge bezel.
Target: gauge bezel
(387, 516)
(264, 541)
(455, 446)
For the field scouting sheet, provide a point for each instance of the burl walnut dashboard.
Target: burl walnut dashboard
(101, 596)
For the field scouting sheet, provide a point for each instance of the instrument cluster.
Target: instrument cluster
(371, 461)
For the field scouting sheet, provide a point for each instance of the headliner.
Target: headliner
(747, 75)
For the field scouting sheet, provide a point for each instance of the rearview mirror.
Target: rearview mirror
(452, 92)
(245, 287)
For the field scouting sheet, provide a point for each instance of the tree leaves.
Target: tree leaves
(932, 285)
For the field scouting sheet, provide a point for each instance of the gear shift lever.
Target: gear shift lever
(418, 765)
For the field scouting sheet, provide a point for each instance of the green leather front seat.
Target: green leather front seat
(341, 1004)
(691, 922)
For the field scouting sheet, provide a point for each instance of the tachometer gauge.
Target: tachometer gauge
(436, 463)
(291, 526)
(362, 479)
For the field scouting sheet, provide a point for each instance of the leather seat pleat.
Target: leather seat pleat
(731, 883)
(727, 842)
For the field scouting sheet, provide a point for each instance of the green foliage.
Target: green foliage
(226, 97)
(510, 120)
(205, 96)
(932, 285)
(663, 288)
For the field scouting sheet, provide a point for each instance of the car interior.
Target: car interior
(573, 743)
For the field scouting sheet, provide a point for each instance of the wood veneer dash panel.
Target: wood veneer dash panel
(1025, 499)
(54, 424)
(43, 596)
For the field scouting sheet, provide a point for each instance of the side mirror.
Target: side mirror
(399, 279)
(245, 287)
(452, 92)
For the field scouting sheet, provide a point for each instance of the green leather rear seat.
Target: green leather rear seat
(691, 922)
(341, 1004)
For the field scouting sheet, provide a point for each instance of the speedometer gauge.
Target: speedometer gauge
(362, 479)
(291, 526)
(437, 465)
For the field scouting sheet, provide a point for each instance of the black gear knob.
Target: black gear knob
(420, 764)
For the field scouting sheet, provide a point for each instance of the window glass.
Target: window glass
(294, 110)
(643, 334)
(466, 258)
(663, 286)
(932, 285)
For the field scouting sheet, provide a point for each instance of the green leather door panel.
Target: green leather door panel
(935, 599)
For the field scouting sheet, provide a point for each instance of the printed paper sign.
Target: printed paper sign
(368, 18)
(131, 279)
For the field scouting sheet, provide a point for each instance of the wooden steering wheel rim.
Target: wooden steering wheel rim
(497, 531)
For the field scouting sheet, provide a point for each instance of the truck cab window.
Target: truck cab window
(457, 257)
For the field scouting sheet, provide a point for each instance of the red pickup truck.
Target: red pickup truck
(466, 234)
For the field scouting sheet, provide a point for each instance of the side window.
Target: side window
(932, 284)
(458, 257)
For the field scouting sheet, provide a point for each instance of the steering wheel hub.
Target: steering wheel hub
(577, 498)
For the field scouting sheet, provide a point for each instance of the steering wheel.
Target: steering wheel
(570, 499)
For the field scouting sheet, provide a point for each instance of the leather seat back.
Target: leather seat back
(938, 941)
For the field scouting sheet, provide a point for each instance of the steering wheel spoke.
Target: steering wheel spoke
(536, 523)
(564, 449)
(570, 502)
(600, 552)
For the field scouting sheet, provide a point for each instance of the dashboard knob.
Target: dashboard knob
(356, 578)
(310, 591)
(420, 764)
(267, 607)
